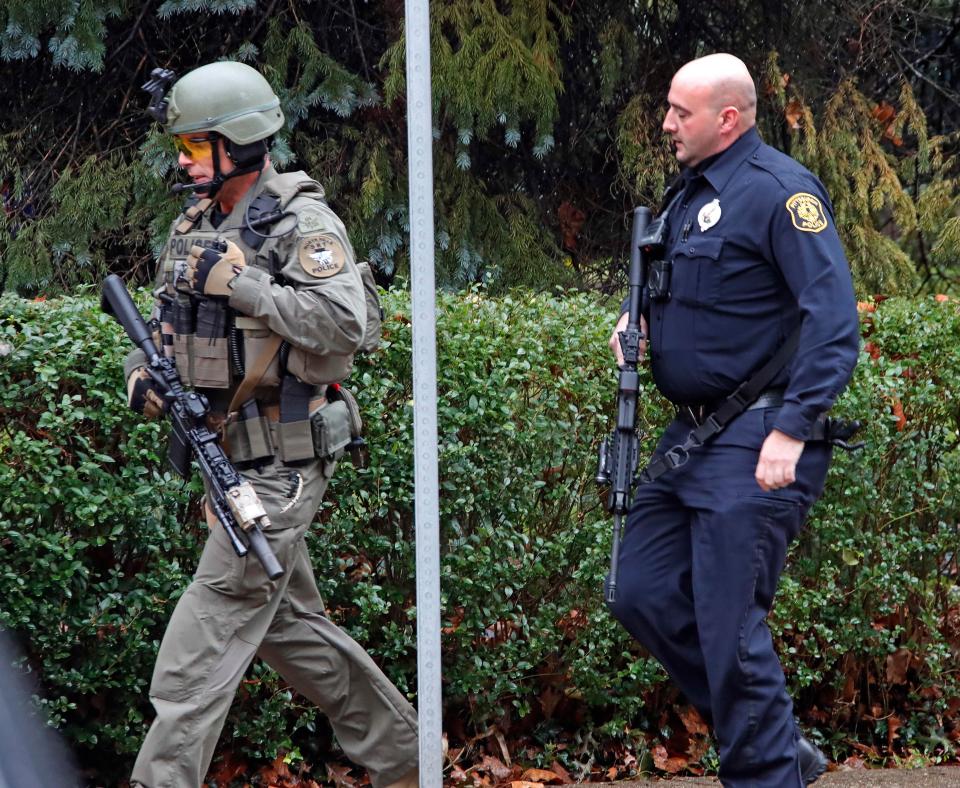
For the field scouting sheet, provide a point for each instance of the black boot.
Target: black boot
(813, 763)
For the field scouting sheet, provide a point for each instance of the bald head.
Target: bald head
(725, 81)
(713, 101)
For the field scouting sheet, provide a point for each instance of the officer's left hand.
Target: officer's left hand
(778, 461)
(210, 271)
(614, 341)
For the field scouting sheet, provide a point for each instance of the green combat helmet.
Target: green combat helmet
(225, 99)
(229, 98)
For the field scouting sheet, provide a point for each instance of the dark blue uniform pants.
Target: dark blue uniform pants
(701, 556)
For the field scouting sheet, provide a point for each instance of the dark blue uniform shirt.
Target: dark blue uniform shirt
(755, 252)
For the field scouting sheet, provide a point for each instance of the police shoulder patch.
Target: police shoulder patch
(321, 255)
(807, 213)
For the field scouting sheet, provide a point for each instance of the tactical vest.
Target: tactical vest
(213, 346)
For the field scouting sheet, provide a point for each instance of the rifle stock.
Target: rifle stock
(231, 497)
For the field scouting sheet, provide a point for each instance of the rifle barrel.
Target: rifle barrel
(623, 441)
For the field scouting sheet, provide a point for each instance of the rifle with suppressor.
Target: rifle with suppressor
(618, 452)
(230, 496)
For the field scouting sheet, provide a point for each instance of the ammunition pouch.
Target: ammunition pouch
(331, 428)
(201, 344)
(248, 439)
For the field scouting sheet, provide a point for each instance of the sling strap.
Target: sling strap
(255, 372)
(741, 399)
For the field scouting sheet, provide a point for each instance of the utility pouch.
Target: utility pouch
(330, 424)
(357, 448)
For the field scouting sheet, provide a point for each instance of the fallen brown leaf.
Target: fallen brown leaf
(340, 775)
(893, 725)
(693, 722)
(673, 764)
(540, 776)
(562, 773)
(853, 762)
(898, 663)
(495, 767)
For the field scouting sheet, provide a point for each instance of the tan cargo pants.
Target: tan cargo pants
(232, 612)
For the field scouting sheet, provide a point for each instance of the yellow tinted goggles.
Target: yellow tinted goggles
(194, 148)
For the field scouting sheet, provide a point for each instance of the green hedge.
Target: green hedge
(94, 554)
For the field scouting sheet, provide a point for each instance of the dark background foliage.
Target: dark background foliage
(98, 539)
(547, 117)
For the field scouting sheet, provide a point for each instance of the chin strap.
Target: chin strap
(211, 187)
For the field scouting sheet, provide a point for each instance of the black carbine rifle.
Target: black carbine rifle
(230, 496)
(618, 452)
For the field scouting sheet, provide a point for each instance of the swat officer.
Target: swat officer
(261, 304)
(751, 262)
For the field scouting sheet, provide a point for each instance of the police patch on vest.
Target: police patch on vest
(321, 255)
(806, 213)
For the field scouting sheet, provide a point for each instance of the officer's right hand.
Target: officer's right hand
(142, 396)
(614, 342)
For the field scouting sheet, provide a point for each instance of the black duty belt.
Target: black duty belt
(709, 419)
(697, 414)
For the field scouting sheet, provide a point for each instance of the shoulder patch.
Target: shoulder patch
(806, 212)
(321, 255)
(312, 219)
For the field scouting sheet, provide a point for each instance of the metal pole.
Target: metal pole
(426, 487)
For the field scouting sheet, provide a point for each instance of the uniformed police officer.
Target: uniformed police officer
(258, 292)
(750, 256)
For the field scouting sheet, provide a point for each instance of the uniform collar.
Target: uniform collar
(720, 168)
(239, 211)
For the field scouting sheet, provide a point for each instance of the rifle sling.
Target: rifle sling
(255, 372)
(744, 396)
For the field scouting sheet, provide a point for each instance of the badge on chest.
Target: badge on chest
(709, 215)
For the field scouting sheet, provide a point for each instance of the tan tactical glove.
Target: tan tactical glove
(142, 396)
(210, 272)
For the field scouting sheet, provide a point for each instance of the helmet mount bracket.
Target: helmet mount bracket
(156, 86)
